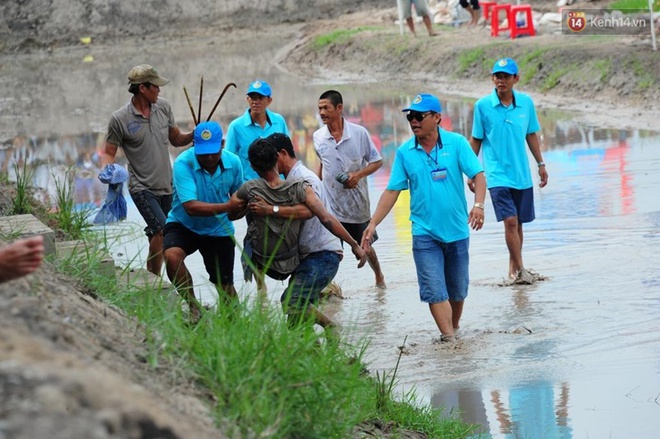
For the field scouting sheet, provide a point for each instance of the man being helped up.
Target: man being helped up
(280, 205)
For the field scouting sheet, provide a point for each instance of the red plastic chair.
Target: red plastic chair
(527, 25)
(495, 26)
(486, 9)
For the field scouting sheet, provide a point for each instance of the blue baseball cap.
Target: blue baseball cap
(207, 138)
(424, 102)
(260, 87)
(505, 65)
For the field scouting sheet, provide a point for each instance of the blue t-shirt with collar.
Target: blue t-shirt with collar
(503, 131)
(438, 206)
(243, 131)
(192, 182)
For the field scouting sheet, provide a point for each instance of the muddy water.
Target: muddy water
(577, 355)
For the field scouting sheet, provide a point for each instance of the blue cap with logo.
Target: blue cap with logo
(505, 65)
(424, 102)
(260, 87)
(207, 138)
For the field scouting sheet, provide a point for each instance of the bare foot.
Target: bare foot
(380, 283)
(21, 257)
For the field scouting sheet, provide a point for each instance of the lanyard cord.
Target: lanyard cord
(438, 144)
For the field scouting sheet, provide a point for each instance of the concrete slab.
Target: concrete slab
(80, 251)
(141, 278)
(21, 226)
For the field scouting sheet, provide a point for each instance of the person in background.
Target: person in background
(473, 8)
(504, 123)
(21, 257)
(422, 9)
(347, 155)
(204, 179)
(144, 128)
(257, 122)
(431, 164)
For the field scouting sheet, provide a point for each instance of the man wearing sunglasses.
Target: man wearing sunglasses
(504, 123)
(431, 165)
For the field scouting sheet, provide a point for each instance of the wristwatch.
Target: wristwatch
(479, 205)
(276, 210)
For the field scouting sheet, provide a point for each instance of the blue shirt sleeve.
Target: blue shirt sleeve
(184, 181)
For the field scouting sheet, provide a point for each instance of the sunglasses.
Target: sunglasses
(417, 116)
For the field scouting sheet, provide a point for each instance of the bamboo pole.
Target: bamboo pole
(219, 99)
(192, 111)
(201, 92)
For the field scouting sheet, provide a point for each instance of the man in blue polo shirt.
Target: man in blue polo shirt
(204, 178)
(431, 165)
(257, 122)
(504, 121)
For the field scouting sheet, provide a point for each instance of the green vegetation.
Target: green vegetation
(268, 379)
(645, 79)
(468, 57)
(528, 64)
(339, 36)
(603, 66)
(634, 4)
(72, 221)
(22, 202)
(553, 79)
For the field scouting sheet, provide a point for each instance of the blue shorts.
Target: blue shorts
(314, 273)
(154, 210)
(217, 251)
(508, 202)
(442, 269)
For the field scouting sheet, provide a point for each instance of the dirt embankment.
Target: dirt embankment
(611, 81)
(28, 25)
(74, 367)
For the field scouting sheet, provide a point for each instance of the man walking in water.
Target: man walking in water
(505, 122)
(348, 156)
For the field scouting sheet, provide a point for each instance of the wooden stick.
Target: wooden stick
(192, 111)
(201, 92)
(219, 99)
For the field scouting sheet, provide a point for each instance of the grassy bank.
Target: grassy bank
(261, 377)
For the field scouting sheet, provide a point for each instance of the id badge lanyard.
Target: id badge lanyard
(438, 174)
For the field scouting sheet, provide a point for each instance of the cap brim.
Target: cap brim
(212, 148)
(160, 81)
(502, 71)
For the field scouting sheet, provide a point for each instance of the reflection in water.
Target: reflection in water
(534, 410)
(595, 319)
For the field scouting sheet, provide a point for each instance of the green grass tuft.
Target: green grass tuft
(22, 202)
(338, 36)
